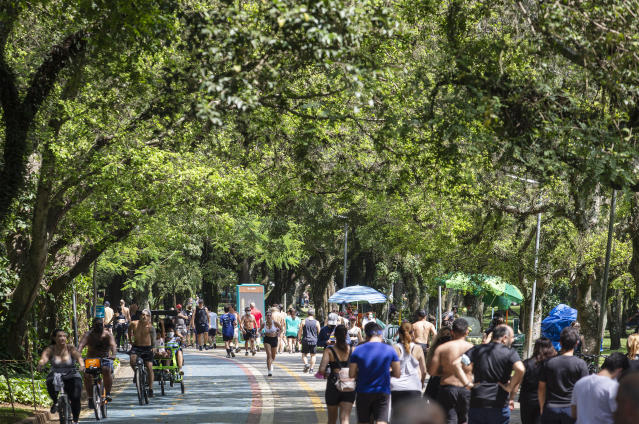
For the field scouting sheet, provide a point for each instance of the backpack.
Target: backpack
(344, 383)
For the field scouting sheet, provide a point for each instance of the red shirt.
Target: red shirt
(258, 315)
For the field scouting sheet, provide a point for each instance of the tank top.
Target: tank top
(201, 316)
(336, 364)
(270, 330)
(410, 374)
(64, 367)
(309, 332)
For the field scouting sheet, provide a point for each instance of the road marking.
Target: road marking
(318, 405)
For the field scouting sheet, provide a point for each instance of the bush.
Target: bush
(23, 391)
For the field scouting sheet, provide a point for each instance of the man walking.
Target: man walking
(492, 397)
(248, 325)
(593, 397)
(108, 317)
(558, 378)
(454, 391)
(227, 320)
(423, 331)
(200, 321)
(213, 329)
(371, 365)
(307, 334)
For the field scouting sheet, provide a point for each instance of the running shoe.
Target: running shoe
(228, 355)
(306, 368)
(254, 352)
(310, 371)
(233, 354)
(54, 408)
(108, 397)
(246, 354)
(270, 373)
(150, 392)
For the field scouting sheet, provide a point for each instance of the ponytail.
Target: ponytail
(405, 336)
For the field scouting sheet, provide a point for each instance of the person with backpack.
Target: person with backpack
(227, 321)
(200, 321)
(340, 388)
(412, 364)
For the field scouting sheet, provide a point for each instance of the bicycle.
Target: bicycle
(93, 366)
(591, 361)
(169, 373)
(141, 380)
(64, 406)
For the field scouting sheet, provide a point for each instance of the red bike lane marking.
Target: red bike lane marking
(256, 395)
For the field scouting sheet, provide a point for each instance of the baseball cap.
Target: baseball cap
(178, 306)
(333, 318)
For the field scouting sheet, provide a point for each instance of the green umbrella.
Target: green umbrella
(497, 287)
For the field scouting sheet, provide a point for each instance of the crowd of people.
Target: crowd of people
(439, 372)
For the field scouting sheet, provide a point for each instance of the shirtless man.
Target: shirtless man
(454, 393)
(423, 330)
(142, 335)
(248, 325)
(100, 344)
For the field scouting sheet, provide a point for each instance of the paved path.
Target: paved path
(220, 390)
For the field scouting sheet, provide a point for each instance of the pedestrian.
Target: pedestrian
(280, 318)
(557, 379)
(497, 320)
(371, 365)
(424, 331)
(326, 335)
(497, 371)
(292, 328)
(228, 322)
(272, 332)
(212, 329)
(628, 399)
(307, 335)
(108, 317)
(369, 317)
(454, 392)
(335, 358)
(258, 319)
(528, 397)
(412, 364)
(354, 332)
(432, 388)
(236, 336)
(200, 322)
(593, 397)
(248, 325)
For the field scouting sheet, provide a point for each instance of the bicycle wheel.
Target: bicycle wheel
(162, 382)
(139, 383)
(97, 399)
(182, 386)
(145, 386)
(64, 410)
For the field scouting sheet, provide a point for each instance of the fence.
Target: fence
(8, 369)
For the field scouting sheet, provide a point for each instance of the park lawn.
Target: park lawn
(7, 416)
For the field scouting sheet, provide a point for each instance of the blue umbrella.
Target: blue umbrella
(357, 294)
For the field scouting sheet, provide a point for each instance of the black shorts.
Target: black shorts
(144, 352)
(375, 405)
(455, 401)
(227, 338)
(308, 348)
(270, 340)
(212, 332)
(334, 397)
(249, 334)
(201, 328)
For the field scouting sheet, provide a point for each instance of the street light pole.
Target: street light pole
(345, 249)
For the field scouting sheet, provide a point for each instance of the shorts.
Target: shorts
(227, 338)
(144, 352)
(334, 397)
(270, 340)
(201, 328)
(212, 332)
(291, 337)
(107, 363)
(308, 348)
(375, 405)
(455, 401)
(249, 334)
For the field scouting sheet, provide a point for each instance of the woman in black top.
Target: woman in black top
(337, 357)
(528, 399)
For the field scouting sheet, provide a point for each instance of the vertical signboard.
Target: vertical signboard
(247, 293)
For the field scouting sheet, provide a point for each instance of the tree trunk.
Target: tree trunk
(475, 307)
(615, 318)
(245, 272)
(588, 307)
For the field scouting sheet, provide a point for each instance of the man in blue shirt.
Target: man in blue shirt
(371, 364)
(325, 336)
(228, 330)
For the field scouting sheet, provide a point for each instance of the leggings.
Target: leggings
(73, 389)
(120, 333)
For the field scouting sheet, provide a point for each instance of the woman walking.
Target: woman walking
(336, 357)
(355, 333)
(528, 398)
(413, 370)
(63, 358)
(292, 328)
(444, 335)
(271, 334)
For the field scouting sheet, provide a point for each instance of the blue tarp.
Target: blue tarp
(558, 319)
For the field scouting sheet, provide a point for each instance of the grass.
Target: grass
(7, 416)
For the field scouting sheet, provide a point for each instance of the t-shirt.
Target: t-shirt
(228, 324)
(257, 314)
(292, 326)
(492, 363)
(560, 374)
(213, 317)
(373, 361)
(594, 396)
(530, 383)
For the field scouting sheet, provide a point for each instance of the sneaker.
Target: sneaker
(233, 354)
(270, 373)
(54, 408)
(200, 348)
(228, 355)
(108, 397)
(150, 393)
(246, 354)
(254, 352)
(306, 368)
(214, 345)
(310, 371)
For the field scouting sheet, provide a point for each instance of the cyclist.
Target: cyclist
(142, 333)
(121, 325)
(248, 325)
(63, 357)
(169, 336)
(100, 344)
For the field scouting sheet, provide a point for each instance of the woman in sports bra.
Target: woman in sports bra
(336, 357)
(272, 332)
(355, 333)
(63, 358)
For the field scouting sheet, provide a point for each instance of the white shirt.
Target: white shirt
(213, 317)
(594, 396)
